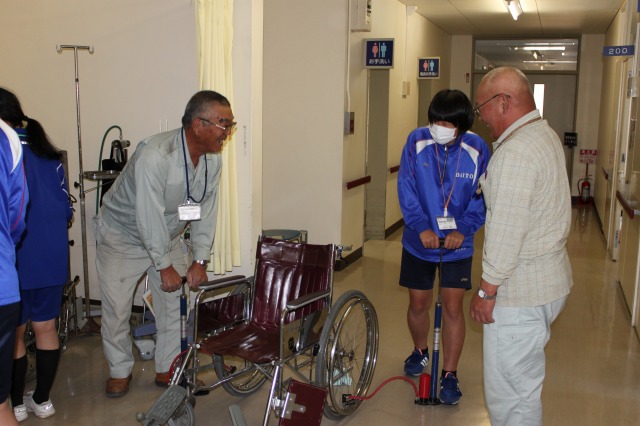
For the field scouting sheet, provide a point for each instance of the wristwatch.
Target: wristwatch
(485, 296)
(202, 263)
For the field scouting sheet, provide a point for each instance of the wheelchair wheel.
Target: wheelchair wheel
(243, 385)
(30, 344)
(202, 366)
(63, 329)
(183, 416)
(348, 353)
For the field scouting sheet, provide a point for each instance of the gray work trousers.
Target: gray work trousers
(514, 362)
(120, 266)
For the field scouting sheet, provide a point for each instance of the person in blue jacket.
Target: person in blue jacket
(42, 259)
(439, 199)
(13, 201)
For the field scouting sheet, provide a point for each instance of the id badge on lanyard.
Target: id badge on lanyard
(189, 211)
(446, 223)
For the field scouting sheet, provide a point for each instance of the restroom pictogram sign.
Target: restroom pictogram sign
(428, 67)
(378, 53)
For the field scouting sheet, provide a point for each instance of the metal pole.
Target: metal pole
(90, 325)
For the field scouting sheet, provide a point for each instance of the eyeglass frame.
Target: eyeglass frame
(477, 109)
(228, 128)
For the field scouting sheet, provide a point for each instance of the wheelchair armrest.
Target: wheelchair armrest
(295, 335)
(236, 281)
(217, 305)
(223, 282)
(300, 302)
(305, 300)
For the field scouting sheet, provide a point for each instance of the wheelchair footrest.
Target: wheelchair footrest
(164, 407)
(304, 404)
(236, 416)
(142, 330)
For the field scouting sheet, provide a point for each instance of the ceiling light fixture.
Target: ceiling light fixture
(514, 8)
(546, 61)
(539, 48)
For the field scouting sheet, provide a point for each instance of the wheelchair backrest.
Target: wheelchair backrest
(285, 271)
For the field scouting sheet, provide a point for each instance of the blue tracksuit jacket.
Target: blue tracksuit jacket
(421, 194)
(14, 196)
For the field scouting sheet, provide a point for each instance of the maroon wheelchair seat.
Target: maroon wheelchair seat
(284, 271)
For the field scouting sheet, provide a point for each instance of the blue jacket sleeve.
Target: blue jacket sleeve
(18, 198)
(65, 190)
(414, 216)
(474, 216)
(475, 213)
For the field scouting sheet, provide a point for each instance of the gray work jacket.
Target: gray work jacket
(143, 201)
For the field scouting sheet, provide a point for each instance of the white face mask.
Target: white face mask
(442, 135)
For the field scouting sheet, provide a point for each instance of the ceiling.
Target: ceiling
(564, 19)
(539, 17)
(527, 54)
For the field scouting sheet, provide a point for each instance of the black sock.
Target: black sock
(18, 380)
(46, 368)
(444, 372)
(425, 350)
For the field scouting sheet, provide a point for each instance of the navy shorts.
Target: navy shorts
(39, 305)
(8, 318)
(419, 274)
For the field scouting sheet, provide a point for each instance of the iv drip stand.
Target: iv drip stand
(90, 326)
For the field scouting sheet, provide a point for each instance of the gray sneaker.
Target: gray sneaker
(43, 410)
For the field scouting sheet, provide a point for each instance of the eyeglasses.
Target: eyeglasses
(477, 109)
(228, 128)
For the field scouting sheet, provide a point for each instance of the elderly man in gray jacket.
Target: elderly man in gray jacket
(171, 180)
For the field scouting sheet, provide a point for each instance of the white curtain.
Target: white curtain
(214, 32)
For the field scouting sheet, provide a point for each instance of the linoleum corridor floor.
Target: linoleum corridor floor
(593, 357)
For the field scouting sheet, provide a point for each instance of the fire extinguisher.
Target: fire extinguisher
(584, 189)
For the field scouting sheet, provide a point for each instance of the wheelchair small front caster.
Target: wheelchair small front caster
(146, 348)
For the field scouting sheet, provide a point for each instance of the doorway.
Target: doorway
(560, 115)
(376, 155)
(425, 94)
(551, 63)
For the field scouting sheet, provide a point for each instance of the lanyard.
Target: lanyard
(446, 200)
(186, 172)
(505, 140)
(533, 120)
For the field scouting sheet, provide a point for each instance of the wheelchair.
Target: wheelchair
(280, 320)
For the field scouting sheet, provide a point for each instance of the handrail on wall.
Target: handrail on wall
(394, 169)
(626, 206)
(358, 182)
